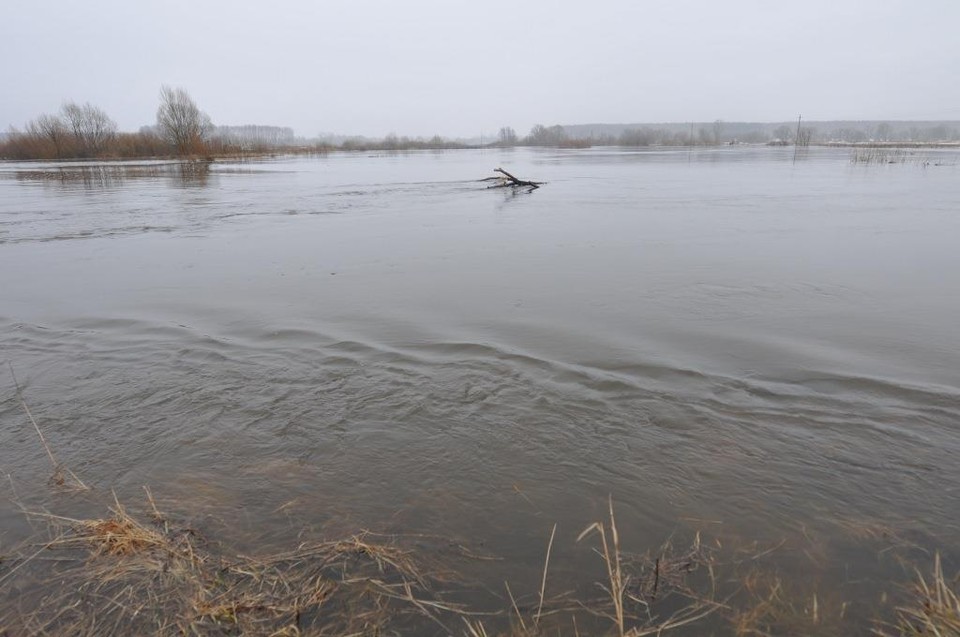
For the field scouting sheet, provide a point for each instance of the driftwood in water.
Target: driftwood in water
(509, 181)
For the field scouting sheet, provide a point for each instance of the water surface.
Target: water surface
(723, 338)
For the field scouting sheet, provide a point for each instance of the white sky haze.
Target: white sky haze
(459, 68)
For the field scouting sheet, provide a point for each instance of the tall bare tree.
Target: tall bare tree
(884, 131)
(540, 135)
(53, 129)
(717, 132)
(180, 121)
(92, 128)
(783, 132)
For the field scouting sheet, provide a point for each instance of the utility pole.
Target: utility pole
(796, 140)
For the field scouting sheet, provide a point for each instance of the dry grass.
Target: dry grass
(129, 573)
(617, 585)
(123, 575)
(878, 155)
(642, 590)
(887, 155)
(935, 608)
(769, 608)
(143, 572)
(636, 590)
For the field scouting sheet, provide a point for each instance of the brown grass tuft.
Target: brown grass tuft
(936, 607)
(119, 535)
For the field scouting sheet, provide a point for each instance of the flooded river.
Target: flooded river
(726, 341)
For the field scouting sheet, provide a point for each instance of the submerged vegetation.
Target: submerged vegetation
(894, 155)
(152, 571)
(122, 574)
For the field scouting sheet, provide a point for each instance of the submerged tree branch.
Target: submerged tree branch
(508, 180)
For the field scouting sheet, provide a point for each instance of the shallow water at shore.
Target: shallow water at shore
(724, 339)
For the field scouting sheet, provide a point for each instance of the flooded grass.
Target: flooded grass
(935, 608)
(144, 571)
(145, 574)
(888, 154)
(885, 155)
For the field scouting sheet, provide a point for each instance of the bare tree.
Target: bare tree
(717, 132)
(254, 136)
(783, 132)
(540, 135)
(180, 122)
(636, 137)
(507, 136)
(884, 130)
(92, 128)
(50, 128)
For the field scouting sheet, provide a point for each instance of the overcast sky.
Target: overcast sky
(459, 68)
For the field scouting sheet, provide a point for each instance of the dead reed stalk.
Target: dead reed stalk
(58, 469)
(611, 559)
(936, 607)
(543, 582)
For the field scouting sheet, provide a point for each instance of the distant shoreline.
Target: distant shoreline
(293, 151)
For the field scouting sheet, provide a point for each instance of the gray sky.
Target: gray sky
(459, 68)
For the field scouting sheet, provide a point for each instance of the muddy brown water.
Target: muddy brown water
(724, 340)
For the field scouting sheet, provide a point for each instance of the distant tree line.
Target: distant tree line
(181, 129)
(85, 131)
(255, 137)
(393, 142)
(719, 132)
(776, 134)
(540, 135)
(563, 137)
